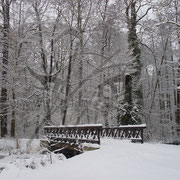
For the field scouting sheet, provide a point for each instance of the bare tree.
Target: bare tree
(5, 11)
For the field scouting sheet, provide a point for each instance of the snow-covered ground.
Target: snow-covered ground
(115, 160)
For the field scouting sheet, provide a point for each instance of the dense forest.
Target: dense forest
(114, 62)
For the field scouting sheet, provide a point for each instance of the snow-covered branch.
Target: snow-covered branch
(168, 22)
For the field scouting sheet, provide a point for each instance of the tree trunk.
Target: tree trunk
(68, 83)
(136, 93)
(5, 57)
(80, 62)
(103, 46)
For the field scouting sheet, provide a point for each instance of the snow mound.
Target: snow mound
(35, 161)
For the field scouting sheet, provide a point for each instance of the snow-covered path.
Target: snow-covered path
(114, 161)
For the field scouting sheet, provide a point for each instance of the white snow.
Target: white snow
(26, 145)
(140, 125)
(115, 160)
(82, 125)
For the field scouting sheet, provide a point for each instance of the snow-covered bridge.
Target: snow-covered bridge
(71, 136)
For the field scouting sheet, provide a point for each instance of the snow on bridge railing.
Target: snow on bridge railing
(74, 134)
(91, 133)
(133, 132)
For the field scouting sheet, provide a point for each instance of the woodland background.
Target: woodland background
(113, 62)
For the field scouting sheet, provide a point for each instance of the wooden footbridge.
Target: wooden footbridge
(72, 137)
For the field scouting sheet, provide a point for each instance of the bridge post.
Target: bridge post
(142, 136)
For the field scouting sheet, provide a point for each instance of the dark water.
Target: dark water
(69, 153)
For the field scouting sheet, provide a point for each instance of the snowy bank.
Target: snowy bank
(116, 159)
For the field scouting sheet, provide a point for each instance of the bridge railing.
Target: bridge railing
(92, 133)
(133, 132)
(74, 134)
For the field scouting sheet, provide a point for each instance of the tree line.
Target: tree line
(113, 62)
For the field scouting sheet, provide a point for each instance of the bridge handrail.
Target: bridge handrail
(74, 133)
(92, 133)
(133, 132)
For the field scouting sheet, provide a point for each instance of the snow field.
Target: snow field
(116, 159)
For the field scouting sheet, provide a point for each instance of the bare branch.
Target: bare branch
(168, 22)
(144, 14)
(140, 6)
(88, 16)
